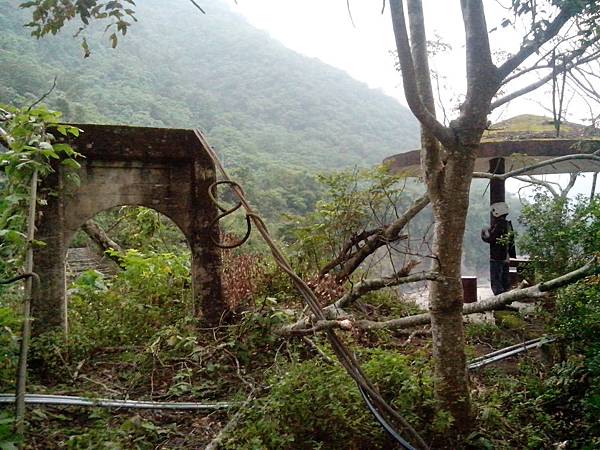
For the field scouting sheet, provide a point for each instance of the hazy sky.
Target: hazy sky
(323, 29)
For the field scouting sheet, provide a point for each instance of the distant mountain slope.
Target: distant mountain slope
(258, 102)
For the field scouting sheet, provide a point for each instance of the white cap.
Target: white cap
(499, 209)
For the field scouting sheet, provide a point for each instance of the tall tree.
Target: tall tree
(449, 152)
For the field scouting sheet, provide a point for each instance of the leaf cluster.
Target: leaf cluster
(314, 405)
(50, 17)
(561, 234)
(32, 147)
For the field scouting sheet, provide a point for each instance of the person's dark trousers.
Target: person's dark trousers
(499, 276)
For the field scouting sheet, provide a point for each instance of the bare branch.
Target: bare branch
(350, 13)
(374, 284)
(411, 90)
(567, 65)
(524, 170)
(198, 7)
(387, 235)
(519, 92)
(528, 48)
(545, 184)
(488, 304)
(335, 311)
(572, 179)
(41, 99)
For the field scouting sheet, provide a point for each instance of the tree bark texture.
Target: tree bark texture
(102, 240)
(446, 295)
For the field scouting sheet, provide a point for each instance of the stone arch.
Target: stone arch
(163, 169)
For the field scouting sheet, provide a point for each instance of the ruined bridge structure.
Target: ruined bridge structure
(167, 170)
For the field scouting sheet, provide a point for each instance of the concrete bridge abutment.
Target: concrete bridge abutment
(164, 169)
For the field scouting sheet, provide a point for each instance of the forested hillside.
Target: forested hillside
(265, 107)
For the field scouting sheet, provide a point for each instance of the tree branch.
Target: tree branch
(529, 47)
(565, 191)
(102, 240)
(488, 304)
(564, 67)
(545, 184)
(335, 310)
(411, 90)
(549, 162)
(431, 152)
(388, 234)
(482, 76)
(345, 254)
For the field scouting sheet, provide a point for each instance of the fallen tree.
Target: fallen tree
(337, 318)
(368, 242)
(102, 240)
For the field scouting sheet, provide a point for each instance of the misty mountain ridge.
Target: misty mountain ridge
(179, 68)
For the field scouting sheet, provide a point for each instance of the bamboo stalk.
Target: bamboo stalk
(26, 329)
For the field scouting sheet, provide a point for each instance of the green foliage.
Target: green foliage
(50, 17)
(135, 433)
(8, 440)
(354, 201)
(577, 314)
(313, 405)
(31, 138)
(577, 320)
(561, 234)
(144, 229)
(153, 290)
(533, 409)
(9, 346)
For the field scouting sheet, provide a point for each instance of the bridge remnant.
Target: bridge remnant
(167, 170)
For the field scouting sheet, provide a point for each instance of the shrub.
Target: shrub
(152, 291)
(314, 405)
(561, 234)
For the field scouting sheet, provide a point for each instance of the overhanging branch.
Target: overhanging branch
(529, 48)
(524, 170)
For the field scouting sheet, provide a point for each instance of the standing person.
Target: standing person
(502, 247)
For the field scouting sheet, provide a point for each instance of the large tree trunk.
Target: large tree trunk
(450, 204)
(448, 183)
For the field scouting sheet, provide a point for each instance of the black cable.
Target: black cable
(384, 423)
(17, 278)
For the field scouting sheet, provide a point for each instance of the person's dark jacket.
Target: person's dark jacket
(500, 249)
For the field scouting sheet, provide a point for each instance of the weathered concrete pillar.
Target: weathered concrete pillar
(206, 257)
(48, 306)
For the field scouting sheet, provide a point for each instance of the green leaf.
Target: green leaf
(71, 163)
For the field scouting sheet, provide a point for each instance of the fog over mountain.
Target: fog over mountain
(179, 68)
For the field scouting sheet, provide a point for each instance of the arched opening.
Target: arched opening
(120, 298)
